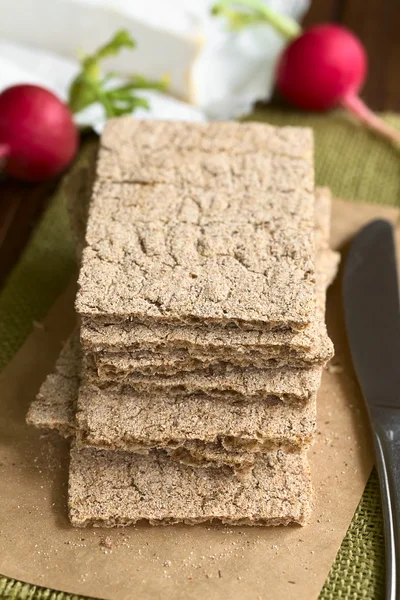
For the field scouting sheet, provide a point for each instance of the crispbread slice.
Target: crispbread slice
(54, 406)
(127, 143)
(117, 488)
(198, 347)
(254, 269)
(133, 421)
(194, 429)
(171, 359)
(286, 384)
(167, 351)
(162, 349)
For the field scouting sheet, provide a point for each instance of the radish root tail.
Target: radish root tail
(360, 110)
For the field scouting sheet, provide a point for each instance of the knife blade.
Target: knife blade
(372, 316)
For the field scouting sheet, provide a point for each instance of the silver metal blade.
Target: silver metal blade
(372, 313)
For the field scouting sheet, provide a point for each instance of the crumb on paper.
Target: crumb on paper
(106, 542)
(334, 367)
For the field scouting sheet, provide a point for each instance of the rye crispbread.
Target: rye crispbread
(55, 404)
(196, 430)
(286, 384)
(133, 421)
(118, 488)
(161, 349)
(192, 429)
(252, 269)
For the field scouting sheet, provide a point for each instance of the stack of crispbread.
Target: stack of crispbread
(190, 388)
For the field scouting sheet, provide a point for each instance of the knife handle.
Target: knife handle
(386, 431)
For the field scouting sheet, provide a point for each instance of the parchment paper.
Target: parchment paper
(177, 562)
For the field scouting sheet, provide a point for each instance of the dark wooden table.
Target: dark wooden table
(376, 22)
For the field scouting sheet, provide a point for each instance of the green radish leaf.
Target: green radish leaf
(244, 13)
(91, 86)
(122, 39)
(130, 105)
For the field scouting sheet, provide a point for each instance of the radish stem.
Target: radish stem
(243, 13)
(360, 110)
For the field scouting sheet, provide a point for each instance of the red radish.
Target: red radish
(322, 68)
(325, 67)
(38, 137)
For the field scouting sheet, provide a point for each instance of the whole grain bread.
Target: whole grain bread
(177, 251)
(286, 384)
(162, 349)
(192, 348)
(55, 404)
(196, 430)
(117, 488)
(134, 421)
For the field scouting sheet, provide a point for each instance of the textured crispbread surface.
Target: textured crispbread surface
(165, 252)
(213, 155)
(162, 349)
(170, 360)
(126, 142)
(118, 488)
(159, 348)
(286, 384)
(54, 406)
(193, 430)
(131, 421)
(207, 454)
(165, 350)
(329, 264)
(239, 454)
(204, 346)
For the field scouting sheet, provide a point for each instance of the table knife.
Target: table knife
(372, 315)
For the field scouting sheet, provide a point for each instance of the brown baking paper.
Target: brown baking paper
(39, 546)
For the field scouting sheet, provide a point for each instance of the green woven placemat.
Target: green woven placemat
(355, 165)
